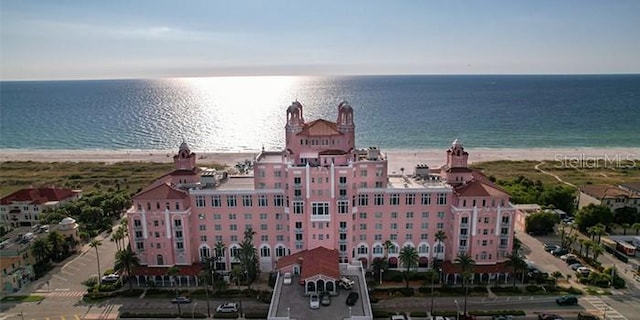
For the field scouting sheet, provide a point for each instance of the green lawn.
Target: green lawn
(30, 298)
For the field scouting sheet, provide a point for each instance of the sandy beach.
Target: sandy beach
(397, 158)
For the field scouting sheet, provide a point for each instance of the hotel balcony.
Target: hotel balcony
(343, 198)
(297, 198)
(137, 228)
(464, 236)
(177, 227)
(505, 224)
(503, 246)
(504, 236)
(298, 230)
(297, 185)
(342, 230)
(342, 241)
(464, 225)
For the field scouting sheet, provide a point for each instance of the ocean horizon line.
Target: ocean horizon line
(168, 77)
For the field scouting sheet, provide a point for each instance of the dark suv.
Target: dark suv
(567, 300)
(587, 316)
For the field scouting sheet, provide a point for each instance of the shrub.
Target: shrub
(159, 315)
(533, 288)
(107, 272)
(132, 293)
(380, 314)
(407, 292)
(91, 282)
(619, 283)
(256, 315)
(421, 314)
(572, 290)
(225, 316)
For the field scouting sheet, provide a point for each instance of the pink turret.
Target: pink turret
(456, 171)
(185, 159)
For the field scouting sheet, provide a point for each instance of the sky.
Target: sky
(44, 40)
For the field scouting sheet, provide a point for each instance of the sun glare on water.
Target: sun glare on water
(249, 112)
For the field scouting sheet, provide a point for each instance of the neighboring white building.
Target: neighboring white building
(614, 197)
(23, 207)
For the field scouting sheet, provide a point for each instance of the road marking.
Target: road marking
(76, 317)
(59, 277)
(603, 307)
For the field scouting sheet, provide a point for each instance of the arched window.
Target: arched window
(204, 253)
(234, 252)
(378, 249)
(265, 252)
(160, 260)
(423, 248)
(281, 251)
(362, 249)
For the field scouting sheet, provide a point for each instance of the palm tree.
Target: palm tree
(95, 244)
(126, 262)
(409, 258)
(598, 249)
(41, 249)
(172, 272)
(116, 237)
(56, 240)
(517, 246)
(516, 263)
(248, 256)
(220, 248)
(556, 275)
(466, 264)
(440, 237)
(570, 240)
(625, 226)
(636, 226)
(582, 242)
(387, 245)
(588, 245)
(599, 230)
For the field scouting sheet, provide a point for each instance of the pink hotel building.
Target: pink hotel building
(321, 191)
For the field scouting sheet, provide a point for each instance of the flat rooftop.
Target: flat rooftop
(269, 157)
(238, 183)
(405, 182)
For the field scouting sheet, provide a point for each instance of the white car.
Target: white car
(568, 256)
(227, 307)
(287, 279)
(314, 301)
(584, 271)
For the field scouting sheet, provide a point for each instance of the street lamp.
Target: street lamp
(381, 272)
(457, 309)
(193, 310)
(288, 313)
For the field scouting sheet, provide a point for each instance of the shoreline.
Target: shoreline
(397, 158)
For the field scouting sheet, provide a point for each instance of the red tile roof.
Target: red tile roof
(604, 191)
(320, 127)
(161, 191)
(313, 262)
(480, 186)
(39, 195)
(192, 270)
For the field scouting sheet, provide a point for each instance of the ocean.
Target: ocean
(392, 112)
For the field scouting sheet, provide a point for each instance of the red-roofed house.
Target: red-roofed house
(318, 269)
(23, 207)
(614, 197)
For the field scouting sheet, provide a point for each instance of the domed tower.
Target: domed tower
(345, 123)
(185, 159)
(295, 121)
(456, 171)
(456, 156)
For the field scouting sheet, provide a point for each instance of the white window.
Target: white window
(410, 199)
(298, 207)
(200, 201)
(278, 200)
(394, 199)
(343, 206)
(247, 201)
(425, 199)
(265, 252)
(215, 201)
(232, 201)
(320, 209)
(442, 199)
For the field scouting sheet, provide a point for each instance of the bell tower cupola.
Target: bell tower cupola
(185, 159)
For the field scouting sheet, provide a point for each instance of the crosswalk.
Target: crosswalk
(62, 294)
(605, 309)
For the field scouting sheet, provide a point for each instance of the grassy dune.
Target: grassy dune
(90, 176)
(87, 176)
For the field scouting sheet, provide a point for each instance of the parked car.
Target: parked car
(571, 261)
(550, 247)
(559, 252)
(587, 316)
(583, 271)
(567, 300)
(575, 266)
(398, 317)
(549, 316)
(325, 298)
(568, 256)
(287, 279)
(114, 277)
(227, 307)
(181, 300)
(314, 301)
(346, 283)
(505, 317)
(352, 298)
